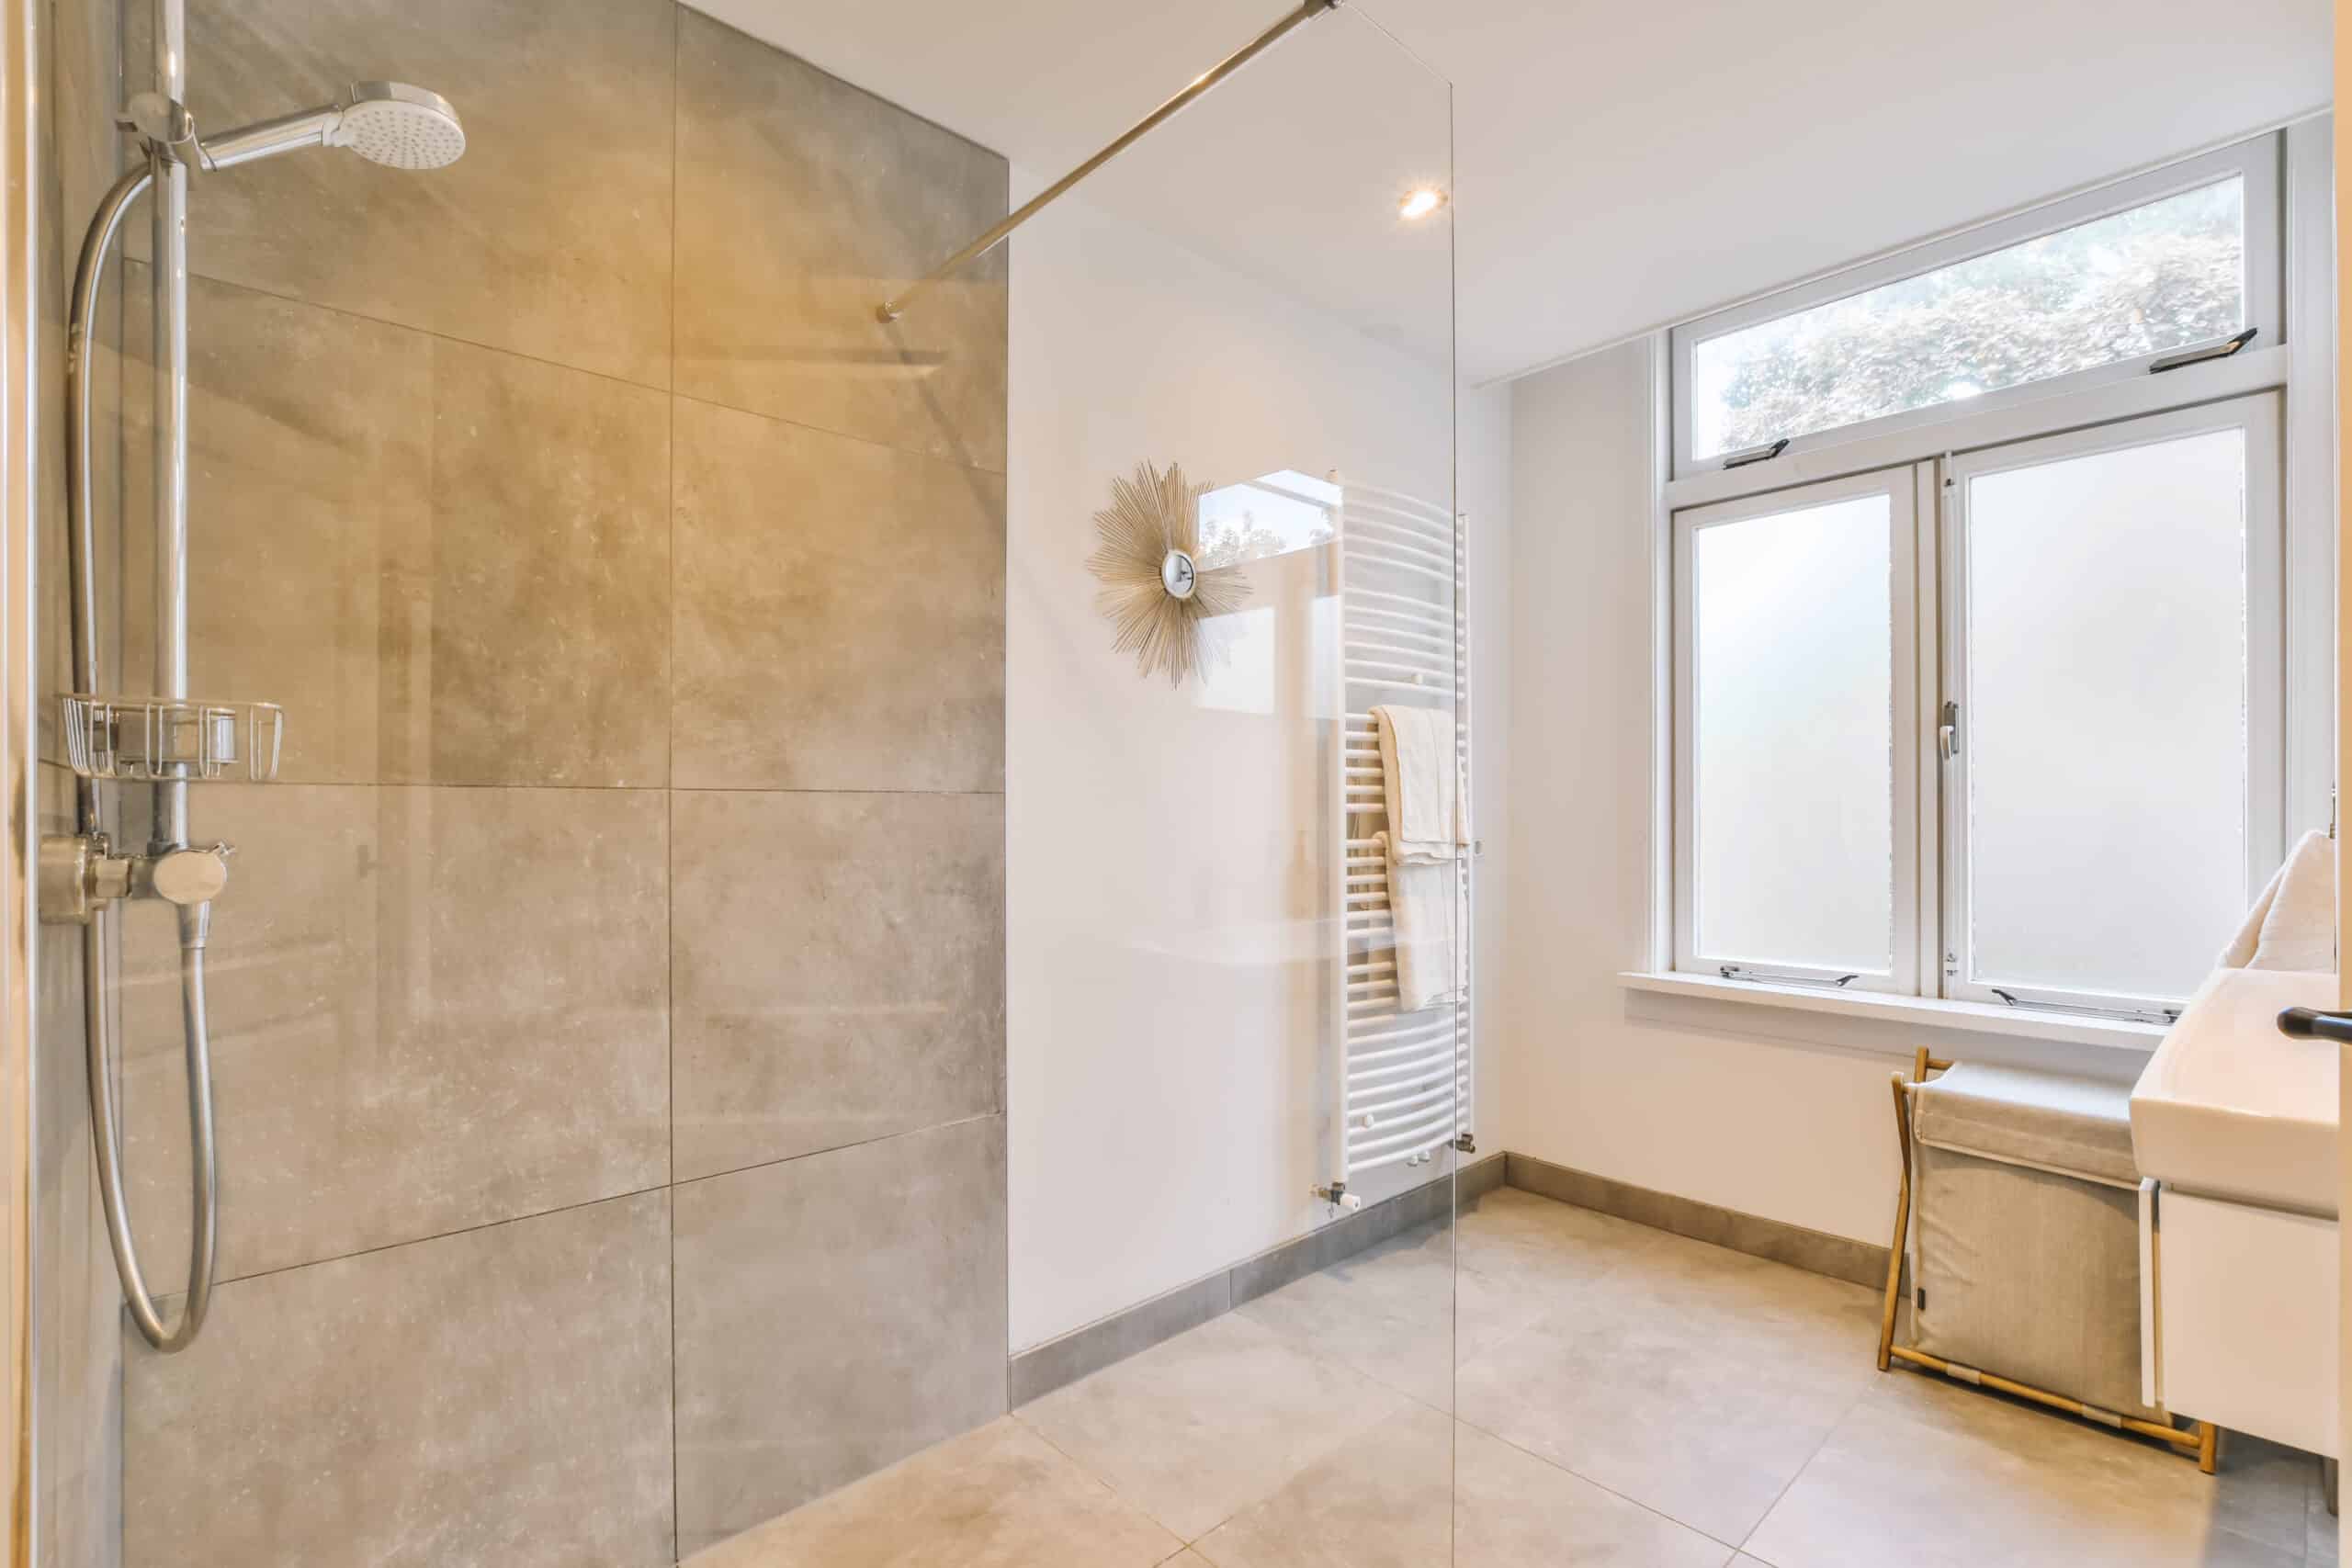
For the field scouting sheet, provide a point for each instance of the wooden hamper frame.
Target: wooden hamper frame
(2203, 1441)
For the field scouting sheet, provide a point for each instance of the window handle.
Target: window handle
(2222, 350)
(1948, 733)
(1764, 454)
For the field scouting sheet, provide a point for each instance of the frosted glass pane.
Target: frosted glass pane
(1794, 761)
(2154, 278)
(2106, 717)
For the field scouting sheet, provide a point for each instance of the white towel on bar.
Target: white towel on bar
(1421, 777)
(1423, 907)
(1428, 829)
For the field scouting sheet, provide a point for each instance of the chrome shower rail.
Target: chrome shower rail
(166, 739)
(892, 308)
(93, 866)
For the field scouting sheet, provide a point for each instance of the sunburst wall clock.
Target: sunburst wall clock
(1159, 596)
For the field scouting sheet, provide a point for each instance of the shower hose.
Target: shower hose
(195, 920)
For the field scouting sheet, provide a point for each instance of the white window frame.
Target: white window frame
(1900, 487)
(2255, 162)
(2259, 417)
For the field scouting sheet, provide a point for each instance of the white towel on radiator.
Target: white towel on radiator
(1423, 907)
(1421, 779)
(1428, 828)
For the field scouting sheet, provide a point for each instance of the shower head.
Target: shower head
(389, 123)
(400, 127)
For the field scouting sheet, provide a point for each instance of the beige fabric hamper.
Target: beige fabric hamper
(2025, 1234)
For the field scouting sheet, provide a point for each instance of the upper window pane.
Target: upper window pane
(1792, 671)
(2149, 280)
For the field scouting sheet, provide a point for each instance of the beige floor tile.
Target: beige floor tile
(2266, 1491)
(1388, 1313)
(1382, 1500)
(1521, 1258)
(1518, 1238)
(1716, 1296)
(1513, 1510)
(1937, 1477)
(1690, 1380)
(1202, 1426)
(997, 1498)
(1422, 1491)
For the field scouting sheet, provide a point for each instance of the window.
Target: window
(1998, 673)
(2097, 286)
(1270, 515)
(2113, 625)
(2088, 758)
(1795, 685)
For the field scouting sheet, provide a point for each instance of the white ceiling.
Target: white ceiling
(1619, 164)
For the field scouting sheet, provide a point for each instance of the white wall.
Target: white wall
(1781, 1114)
(1168, 851)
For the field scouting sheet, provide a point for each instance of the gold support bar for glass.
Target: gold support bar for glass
(892, 308)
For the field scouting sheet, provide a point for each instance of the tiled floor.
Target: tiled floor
(1624, 1399)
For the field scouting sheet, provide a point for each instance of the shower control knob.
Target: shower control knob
(190, 876)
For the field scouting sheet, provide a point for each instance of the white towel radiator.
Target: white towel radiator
(1404, 1079)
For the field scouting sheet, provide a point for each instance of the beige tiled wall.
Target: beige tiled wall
(638, 602)
(77, 1395)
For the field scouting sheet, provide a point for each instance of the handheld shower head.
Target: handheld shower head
(390, 123)
(400, 127)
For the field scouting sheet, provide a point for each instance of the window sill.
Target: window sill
(1971, 1018)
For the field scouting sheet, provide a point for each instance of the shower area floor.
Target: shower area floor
(1624, 1397)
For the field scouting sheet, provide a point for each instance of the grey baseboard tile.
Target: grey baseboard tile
(1342, 1239)
(1840, 1257)
(1039, 1370)
(1481, 1177)
(1044, 1367)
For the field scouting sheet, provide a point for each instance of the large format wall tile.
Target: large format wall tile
(835, 1313)
(77, 1404)
(530, 640)
(311, 442)
(447, 563)
(837, 969)
(803, 202)
(839, 612)
(431, 1009)
(551, 237)
(500, 1397)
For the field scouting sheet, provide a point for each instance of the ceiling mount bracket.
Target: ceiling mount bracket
(890, 309)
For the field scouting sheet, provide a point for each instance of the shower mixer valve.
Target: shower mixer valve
(80, 874)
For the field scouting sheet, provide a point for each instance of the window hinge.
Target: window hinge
(2222, 350)
(1764, 454)
(2135, 1015)
(1763, 977)
(1948, 732)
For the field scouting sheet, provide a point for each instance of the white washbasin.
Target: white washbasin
(2231, 1108)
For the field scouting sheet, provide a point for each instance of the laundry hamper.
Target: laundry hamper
(2020, 1219)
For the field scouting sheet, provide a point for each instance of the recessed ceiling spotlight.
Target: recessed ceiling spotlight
(1420, 203)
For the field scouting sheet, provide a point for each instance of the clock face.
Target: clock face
(1178, 576)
